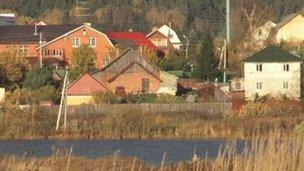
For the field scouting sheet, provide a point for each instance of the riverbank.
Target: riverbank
(272, 153)
(257, 119)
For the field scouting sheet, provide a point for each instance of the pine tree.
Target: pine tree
(207, 63)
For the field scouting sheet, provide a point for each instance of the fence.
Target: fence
(204, 108)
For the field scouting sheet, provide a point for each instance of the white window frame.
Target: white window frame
(285, 85)
(286, 67)
(106, 61)
(91, 40)
(76, 42)
(259, 67)
(259, 85)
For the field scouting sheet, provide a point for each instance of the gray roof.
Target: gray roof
(272, 54)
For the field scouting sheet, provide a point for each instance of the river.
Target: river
(150, 151)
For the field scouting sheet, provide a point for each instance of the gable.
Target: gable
(76, 30)
(134, 68)
(123, 61)
(165, 30)
(85, 85)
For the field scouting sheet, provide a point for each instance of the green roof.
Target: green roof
(272, 54)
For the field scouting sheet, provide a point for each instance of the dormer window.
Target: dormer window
(259, 67)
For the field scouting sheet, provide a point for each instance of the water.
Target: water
(151, 151)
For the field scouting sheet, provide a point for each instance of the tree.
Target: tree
(38, 77)
(83, 60)
(12, 67)
(174, 61)
(53, 16)
(207, 63)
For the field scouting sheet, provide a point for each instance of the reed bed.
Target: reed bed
(253, 119)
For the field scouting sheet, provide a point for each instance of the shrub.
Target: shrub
(38, 77)
(46, 93)
(257, 109)
(167, 98)
(105, 98)
(299, 129)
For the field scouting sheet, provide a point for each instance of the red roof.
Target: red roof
(137, 38)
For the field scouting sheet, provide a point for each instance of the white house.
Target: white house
(171, 34)
(272, 71)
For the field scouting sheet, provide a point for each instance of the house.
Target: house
(81, 90)
(134, 40)
(160, 41)
(289, 29)
(61, 47)
(168, 84)
(25, 38)
(129, 73)
(165, 39)
(274, 72)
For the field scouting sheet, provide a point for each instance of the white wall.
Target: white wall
(272, 78)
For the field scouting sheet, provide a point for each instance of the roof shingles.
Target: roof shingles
(272, 54)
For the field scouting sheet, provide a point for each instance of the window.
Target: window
(92, 41)
(120, 91)
(106, 61)
(259, 67)
(286, 67)
(259, 85)
(57, 53)
(145, 84)
(285, 85)
(76, 42)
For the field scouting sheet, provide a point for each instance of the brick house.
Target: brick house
(58, 42)
(23, 38)
(128, 73)
(61, 48)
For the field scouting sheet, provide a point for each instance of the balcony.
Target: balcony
(54, 53)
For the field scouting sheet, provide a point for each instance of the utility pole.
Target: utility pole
(63, 101)
(40, 48)
(66, 100)
(187, 46)
(227, 42)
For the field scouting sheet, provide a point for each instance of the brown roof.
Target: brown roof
(25, 33)
(124, 60)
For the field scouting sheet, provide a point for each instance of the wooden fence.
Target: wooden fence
(204, 108)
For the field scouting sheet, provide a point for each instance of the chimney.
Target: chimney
(35, 32)
(170, 24)
(154, 29)
(88, 24)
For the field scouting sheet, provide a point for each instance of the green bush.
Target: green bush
(167, 98)
(105, 98)
(46, 93)
(38, 77)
